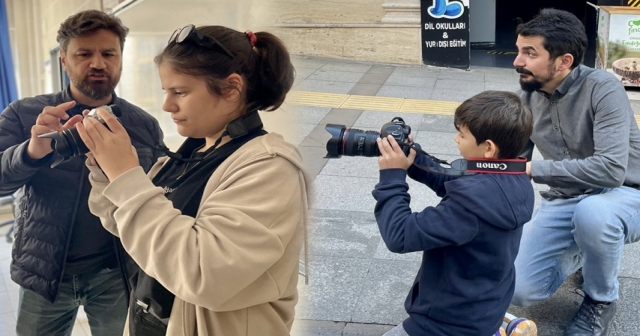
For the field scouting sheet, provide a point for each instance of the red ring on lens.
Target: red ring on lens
(344, 139)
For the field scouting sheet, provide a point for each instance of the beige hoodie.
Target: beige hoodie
(233, 268)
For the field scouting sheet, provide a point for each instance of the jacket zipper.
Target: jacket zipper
(73, 218)
(18, 240)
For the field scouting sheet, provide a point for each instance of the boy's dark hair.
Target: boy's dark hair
(89, 22)
(562, 32)
(266, 66)
(499, 116)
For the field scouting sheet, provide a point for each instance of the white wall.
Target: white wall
(33, 27)
(482, 21)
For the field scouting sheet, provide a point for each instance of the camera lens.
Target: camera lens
(68, 143)
(351, 142)
(361, 143)
(60, 143)
(77, 146)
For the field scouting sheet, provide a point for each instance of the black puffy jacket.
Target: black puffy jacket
(49, 200)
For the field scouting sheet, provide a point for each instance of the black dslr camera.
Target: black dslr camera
(68, 143)
(354, 142)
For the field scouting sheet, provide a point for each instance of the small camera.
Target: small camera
(354, 142)
(68, 143)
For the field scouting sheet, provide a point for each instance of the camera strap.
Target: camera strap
(465, 167)
(497, 166)
(239, 127)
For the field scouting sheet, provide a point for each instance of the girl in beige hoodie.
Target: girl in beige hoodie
(216, 227)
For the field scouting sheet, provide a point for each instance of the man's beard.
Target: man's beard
(95, 90)
(535, 83)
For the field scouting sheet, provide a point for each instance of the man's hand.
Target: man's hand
(529, 169)
(49, 121)
(392, 156)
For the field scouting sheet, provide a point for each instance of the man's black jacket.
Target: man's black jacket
(49, 201)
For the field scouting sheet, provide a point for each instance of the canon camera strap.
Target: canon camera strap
(464, 167)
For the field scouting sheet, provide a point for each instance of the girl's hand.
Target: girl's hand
(110, 147)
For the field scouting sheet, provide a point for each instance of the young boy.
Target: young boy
(471, 238)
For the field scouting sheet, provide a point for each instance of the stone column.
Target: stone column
(401, 11)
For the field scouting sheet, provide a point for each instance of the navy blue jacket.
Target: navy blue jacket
(470, 241)
(50, 197)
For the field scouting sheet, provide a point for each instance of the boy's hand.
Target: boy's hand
(392, 156)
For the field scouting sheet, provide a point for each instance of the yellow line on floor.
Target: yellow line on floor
(320, 99)
(429, 106)
(376, 103)
(373, 103)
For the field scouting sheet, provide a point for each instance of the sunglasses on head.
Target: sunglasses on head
(190, 33)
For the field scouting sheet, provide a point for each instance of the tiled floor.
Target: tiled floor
(9, 293)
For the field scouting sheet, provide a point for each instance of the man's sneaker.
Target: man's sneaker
(592, 319)
(500, 332)
(521, 327)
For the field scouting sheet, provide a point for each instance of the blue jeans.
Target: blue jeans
(101, 293)
(563, 235)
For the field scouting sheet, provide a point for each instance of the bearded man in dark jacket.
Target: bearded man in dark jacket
(62, 256)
